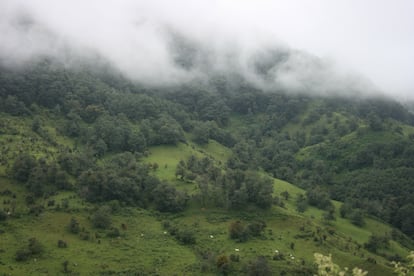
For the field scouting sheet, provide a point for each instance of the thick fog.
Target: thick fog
(320, 46)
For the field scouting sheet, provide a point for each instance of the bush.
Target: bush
(256, 228)
(357, 218)
(301, 203)
(22, 255)
(377, 242)
(168, 199)
(182, 234)
(33, 248)
(102, 217)
(62, 244)
(74, 227)
(238, 231)
(186, 236)
(3, 215)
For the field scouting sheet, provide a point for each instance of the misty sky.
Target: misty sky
(372, 37)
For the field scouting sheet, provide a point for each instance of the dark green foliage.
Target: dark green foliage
(182, 233)
(376, 242)
(34, 248)
(404, 219)
(39, 175)
(329, 214)
(357, 218)
(201, 134)
(22, 167)
(256, 228)
(375, 122)
(3, 215)
(248, 187)
(129, 185)
(136, 141)
(36, 181)
(241, 232)
(180, 170)
(13, 106)
(345, 210)
(168, 131)
(242, 187)
(168, 199)
(62, 244)
(319, 198)
(238, 231)
(301, 203)
(22, 255)
(102, 217)
(76, 162)
(74, 226)
(36, 124)
(244, 156)
(186, 236)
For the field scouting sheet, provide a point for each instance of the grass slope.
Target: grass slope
(146, 247)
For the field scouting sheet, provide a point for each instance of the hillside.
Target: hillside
(113, 178)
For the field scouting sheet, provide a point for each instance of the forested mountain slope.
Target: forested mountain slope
(196, 163)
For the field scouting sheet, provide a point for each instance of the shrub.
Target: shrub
(3, 215)
(74, 226)
(376, 242)
(256, 228)
(22, 254)
(186, 236)
(102, 217)
(33, 248)
(62, 244)
(237, 231)
(357, 218)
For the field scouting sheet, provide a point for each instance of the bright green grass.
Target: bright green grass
(167, 158)
(144, 246)
(217, 151)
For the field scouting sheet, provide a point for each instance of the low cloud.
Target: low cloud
(345, 47)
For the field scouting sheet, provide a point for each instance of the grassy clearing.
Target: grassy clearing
(167, 158)
(215, 150)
